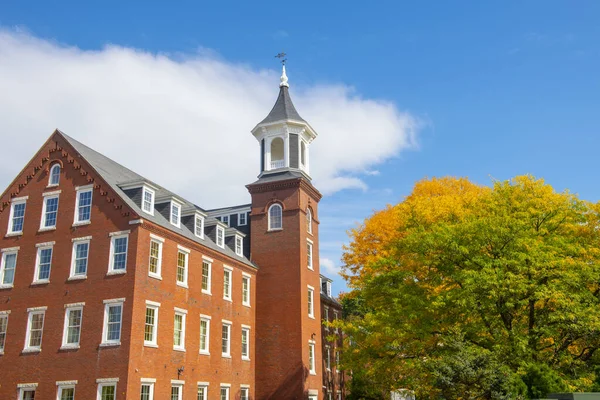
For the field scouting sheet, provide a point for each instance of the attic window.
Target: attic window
(220, 236)
(54, 175)
(239, 245)
(225, 219)
(242, 219)
(175, 214)
(199, 226)
(148, 200)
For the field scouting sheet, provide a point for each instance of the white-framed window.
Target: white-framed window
(35, 329)
(245, 342)
(328, 288)
(118, 253)
(148, 200)
(239, 245)
(275, 217)
(206, 275)
(311, 302)
(43, 263)
(244, 393)
(8, 267)
(107, 389)
(224, 395)
(225, 219)
(182, 266)
(311, 357)
(151, 324)
(49, 211)
(176, 390)
(179, 329)
(27, 391)
(328, 358)
(226, 339)
(220, 236)
(3, 328)
(72, 327)
(245, 289)
(242, 219)
(339, 395)
(326, 317)
(147, 388)
(227, 274)
(54, 176)
(309, 254)
(175, 214)
(337, 361)
(155, 258)
(66, 390)
(202, 391)
(204, 334)
(79, 258)
(309, 221)
(199, 226)
(113, 316)
(83, 205)
(17, 216)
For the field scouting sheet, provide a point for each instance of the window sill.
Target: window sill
(6, 286)
(75, 224)
(77, 278)
(116, 272)
(204, 353)
(153, 345)
(155, 277)
(313, 372)
(245, 358)
(183, 285)
(52, 186)
(311, 316)
(32, 350)
(178, 349)
(228, 299)
(274, 230)
(246, 305)
(311, 268)
(11, 234)
(47, 228)
(69, 347)
(226, 355)
(206, 292)
(35, 283)
(115, 344)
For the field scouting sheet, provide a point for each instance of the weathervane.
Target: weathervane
(281, 57)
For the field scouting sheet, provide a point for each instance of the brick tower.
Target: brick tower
(284, 245)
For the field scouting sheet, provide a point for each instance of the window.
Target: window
(337, 361)
(155, 260)
(72, 328)
(79, 263)
(220, 236)
(309, 221)
(328, 358)
(54, 178)
(302, 154)
(49, 212)
(66, 392)
(202, 391)
(309, 254)
(199, 226)
(225, 219)
(326, 318)
(8, 266)
(245, 290)
(204, 334)
(17, 216)
(107, 390)
(227, 283)
(245, 343)
(35, 329)
(113, 314)
(244, 394)
(151, 324)
(275, 217)
(311, 301)
(206, 274)
(148, 200)
(225, 342)
(83, 205)
(311, 358)
(118, 253)
(147, 390)
(224, 393)
(3, 329)
(27, 394)
(182, 266)
(176, 391)
(242, 219)
(175, 214)
(239, 245)
(179, 329)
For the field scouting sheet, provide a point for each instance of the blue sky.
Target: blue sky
(499, 88)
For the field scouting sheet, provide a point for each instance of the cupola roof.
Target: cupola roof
(284, 108)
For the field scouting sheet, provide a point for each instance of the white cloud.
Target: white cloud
(328, 267)
(183, 121)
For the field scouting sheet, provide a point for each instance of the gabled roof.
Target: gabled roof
(283, 109)
(117, 175)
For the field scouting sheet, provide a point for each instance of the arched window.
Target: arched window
(302, 154)
(309, 220)
(275, 217)
(54, 175)
(277, 160)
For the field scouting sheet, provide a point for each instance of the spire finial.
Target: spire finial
(284, 78)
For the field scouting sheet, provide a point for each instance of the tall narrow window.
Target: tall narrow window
(113, 314)
(151, 324)
(277, 153)
(224, 393)
(244, 394)
(79, 263)
(72, 329)
(239, 245)
(225, 342)
(245, 343)
(302, 154)
(326, 318)
(175, 214)
(54, 178)
(242, 219)
(7, 268)
(148, 200)
(220, 236)
(66, 392)
(49, 212)
(199, 226)
(204, 334)
(309, 221)
(3, 329)
(311, 302)
(155, 260)
(107, 391)
(202, 392)
(118, 253)
(245, 290)
(83, 205)
(275, 217)
(328, 358)
(311, 358)
(27, 394)
(35, 329)
(206, 273)
(17, 216)
(182, 267)
(227, 272)
(309, 254)
(179, 330)
(176, 391)
(147, 391)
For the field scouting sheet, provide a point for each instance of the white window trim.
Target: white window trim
(111, 261)
(309, 254)
(204, 387)
(181, 249)
(175, 204)
(50, 184)
(183, 313)
(69, 308)
(31, 312)
(14, 202)
(60, 385)
(149, 382)
(146, 189)
(36, 272)
(4, 314)
(312, 367)
(309, 219)
(77, 241)
(241, 239)
(106, 382)
(226, 220)
(6, 252)
(311, 303)
(24, 387)
(246, 389)
(160, 241)
(207, 319)
(246, 328)
(155, 306)
(48, 196)
(245, 214)
(227, 387)
(107, 305)
(222, 230)
(228, 353)
(79, 190)
(247, 277)
(209, 261)
(179, 384)
(269, 218)
(201, 228)
(228, 271)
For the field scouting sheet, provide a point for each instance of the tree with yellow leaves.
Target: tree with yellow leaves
(465, 291)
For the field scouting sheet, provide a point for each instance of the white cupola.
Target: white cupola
(284, 136)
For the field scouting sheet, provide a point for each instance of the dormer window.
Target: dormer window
(275, 217)
(148, 200)
(225, 220)
(54, 178)
(328, 288)
(239, 245)
(242, 219)
(220, 236)
(175, 214)
(199, 226)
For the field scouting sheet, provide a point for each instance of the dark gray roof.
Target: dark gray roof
(283, 109)
(225, 210)
(281, 176)
(115, 175)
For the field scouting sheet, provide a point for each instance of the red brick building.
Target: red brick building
(112, 287)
